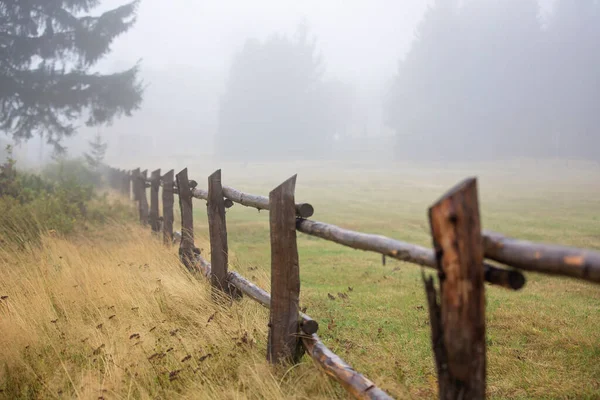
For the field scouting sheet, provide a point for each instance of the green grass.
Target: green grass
(543, 341)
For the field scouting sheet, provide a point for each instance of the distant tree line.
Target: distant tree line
(277, 104)
(491, 78)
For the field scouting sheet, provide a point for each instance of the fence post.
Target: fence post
(135, 179)
(143, 198)
(458, 322)
(154, 188)
(130, 190)
(168, 200)
(186, 248)
(283, 341)
(126, 185)
(217, 227)
(139, 192)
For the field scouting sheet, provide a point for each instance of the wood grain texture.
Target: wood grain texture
(143, 198)
(186, 247)
(283, 342)
(217, 227)
(168, 203)
(355, 383)
(456, 232)
(543, 258)
(303, 210)
(203, 195)
(153, 216)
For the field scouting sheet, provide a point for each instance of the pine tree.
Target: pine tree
(97, 151)
(48, 50)
(275, 95)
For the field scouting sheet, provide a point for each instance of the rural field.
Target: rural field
(110, 313)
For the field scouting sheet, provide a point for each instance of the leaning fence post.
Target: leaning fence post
(143, 198)
(168, 200)
(458, 322)
(283, 341)
(218, 234)
(154, 188)
(186, 248)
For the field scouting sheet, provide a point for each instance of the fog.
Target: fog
(372, 80)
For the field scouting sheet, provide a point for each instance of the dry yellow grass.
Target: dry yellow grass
(543, 341)
(114, 315)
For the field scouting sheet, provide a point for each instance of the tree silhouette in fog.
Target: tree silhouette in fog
(276, 104)
(487, 78)
(46, 78)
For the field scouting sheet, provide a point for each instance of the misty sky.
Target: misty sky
(361, 42)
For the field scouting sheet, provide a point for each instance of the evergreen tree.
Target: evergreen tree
(573, 78)
(49, 48)
(275, 104)
(97, 151)
(470, 85)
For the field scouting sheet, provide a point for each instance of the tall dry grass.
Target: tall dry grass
(113, 315)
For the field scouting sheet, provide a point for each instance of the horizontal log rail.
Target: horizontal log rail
(354, 382)
(203, 195)
(545, 258)
(303, 210)
(402, 251)
(308, 325)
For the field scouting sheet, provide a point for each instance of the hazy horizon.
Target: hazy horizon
(187, 49)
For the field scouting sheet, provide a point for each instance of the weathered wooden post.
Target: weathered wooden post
(139, 192)
(217, 227)
(458, 322)
(154, 188)
(143, 198)
(168, 200)
(126, 183)
(283, 341)
(186, 248)
(121, 181)
(135, 179)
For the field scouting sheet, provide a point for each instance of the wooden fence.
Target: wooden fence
(460, 247)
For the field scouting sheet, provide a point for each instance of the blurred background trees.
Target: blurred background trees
(493, 78)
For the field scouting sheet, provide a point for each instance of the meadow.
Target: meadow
(74, 308)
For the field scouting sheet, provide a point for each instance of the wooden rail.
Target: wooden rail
(543, 258)
(456, 309)
(303, 210)
(400, 250)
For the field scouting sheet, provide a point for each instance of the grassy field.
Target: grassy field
(543, 342)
